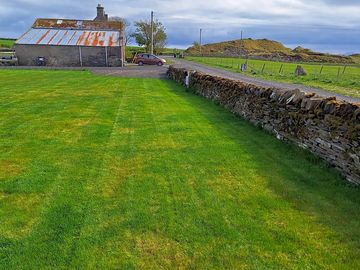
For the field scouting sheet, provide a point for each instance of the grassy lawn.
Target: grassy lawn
(103, 172)
(325, 77)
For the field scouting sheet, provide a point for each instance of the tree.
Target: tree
(196, 44)
(142, 35)
(128, 30)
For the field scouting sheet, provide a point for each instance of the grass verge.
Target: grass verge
(339, 79)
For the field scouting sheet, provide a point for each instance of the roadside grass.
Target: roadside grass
(105, 172)
(325, 77)
(2, 54)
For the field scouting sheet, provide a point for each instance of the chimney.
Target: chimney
(101, 16)
(100, 11)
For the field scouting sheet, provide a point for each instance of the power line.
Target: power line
(200, 41)
(152, 33)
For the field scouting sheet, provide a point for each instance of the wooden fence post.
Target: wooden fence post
(344, 69)
(338, 75)
(321, 69)
(281, 67)
(262, 70)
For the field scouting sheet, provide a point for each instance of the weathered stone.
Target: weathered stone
(300, 71)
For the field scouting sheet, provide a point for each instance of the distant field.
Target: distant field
(116, 173)
(320, 76)
(6, 43)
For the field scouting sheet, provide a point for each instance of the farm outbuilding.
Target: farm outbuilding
(62, 42)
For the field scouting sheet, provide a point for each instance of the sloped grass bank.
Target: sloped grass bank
(103, 172)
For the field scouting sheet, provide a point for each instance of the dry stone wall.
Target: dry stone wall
(327, 127)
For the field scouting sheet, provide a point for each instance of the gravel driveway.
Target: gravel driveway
(130, 71)
(133, 71)
(260, 82)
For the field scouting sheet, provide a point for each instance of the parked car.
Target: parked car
(148, 59)
(8, 60)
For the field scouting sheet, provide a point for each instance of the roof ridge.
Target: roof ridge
(76, 29)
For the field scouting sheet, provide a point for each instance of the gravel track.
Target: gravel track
(134, 71)
(130, 71)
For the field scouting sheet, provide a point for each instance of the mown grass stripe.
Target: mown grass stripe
(137, 173)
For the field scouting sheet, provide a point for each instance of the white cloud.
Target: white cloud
(313, 21)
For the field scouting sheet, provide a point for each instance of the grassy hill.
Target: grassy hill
(266, 49)
(6, 43)
(356, 58)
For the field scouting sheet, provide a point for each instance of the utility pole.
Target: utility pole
(152, 33)
(200, 41)
(241, 43)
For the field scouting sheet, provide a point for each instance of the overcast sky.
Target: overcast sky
(325, 25)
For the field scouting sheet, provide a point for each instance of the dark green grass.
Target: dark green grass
(326, 77)
(111, 173)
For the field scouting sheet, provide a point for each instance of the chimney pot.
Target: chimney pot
(101, 16)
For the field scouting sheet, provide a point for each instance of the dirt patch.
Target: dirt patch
(167, 253)
(20, 212)
(9, 169)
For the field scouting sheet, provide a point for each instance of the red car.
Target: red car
(148, 59)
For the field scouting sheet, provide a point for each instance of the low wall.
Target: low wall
(328, 128)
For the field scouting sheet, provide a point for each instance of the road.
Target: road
(130, 71)
(260, 82)
(160, 73)
(133, 71)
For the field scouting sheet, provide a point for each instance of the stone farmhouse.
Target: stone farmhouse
(73, 43)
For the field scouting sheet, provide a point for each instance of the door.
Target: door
(146, 59)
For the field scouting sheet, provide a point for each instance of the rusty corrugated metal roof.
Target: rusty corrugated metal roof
(70, 37)
(78, 24)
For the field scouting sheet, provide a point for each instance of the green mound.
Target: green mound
(267, 49)
(6, 43)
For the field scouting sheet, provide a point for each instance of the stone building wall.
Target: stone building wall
(68, 56)
(327, 127)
